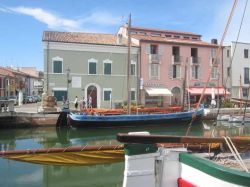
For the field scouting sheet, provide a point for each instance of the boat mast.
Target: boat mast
(184, 86)
(129, 66)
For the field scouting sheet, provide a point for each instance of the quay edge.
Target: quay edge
(22, 119)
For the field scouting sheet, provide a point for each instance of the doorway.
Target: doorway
(92, 91)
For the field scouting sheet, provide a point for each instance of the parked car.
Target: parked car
(29, 99)
(37, 98)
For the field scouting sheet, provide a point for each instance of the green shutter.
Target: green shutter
(92, 68)
(57, 66)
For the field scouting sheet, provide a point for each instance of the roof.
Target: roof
(12, 73)
(6, 72)
(81, 37)
(162, 30)
(172, 40)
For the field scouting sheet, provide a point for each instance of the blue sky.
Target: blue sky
(23, 21)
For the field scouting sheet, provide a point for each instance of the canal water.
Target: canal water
(21, 174)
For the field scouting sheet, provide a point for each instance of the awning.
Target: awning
(208, 91)
(158, 92)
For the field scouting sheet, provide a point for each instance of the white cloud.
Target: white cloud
(48, 18)
(4, 10)
(95, 20)
(34, 177)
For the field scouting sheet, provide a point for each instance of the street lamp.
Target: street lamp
(68, 82)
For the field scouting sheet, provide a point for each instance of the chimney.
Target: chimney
(214, 41)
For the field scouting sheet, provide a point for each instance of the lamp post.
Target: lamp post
(68, 81)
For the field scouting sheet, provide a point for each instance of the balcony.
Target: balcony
(176, 59)
(154, 58)
(214, 61)
(195, 60)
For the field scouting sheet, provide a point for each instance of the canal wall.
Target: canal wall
(21, 119)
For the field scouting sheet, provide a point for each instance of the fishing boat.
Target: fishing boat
(80, 120)
(150, 162)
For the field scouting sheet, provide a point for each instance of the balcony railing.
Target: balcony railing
(154, 58)
(195, 60)
(176, 59)
(214, 61)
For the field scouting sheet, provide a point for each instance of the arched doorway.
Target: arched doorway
(92, 91)
(176, 98)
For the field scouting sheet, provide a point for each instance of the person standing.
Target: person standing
(90, 101)
(76, 102)
(84, 103)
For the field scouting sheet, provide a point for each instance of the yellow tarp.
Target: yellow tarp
(83, 158)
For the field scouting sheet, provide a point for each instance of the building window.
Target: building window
(228, 53)
(57, 66)
(107, 94)
(133, 98)
(195, 72)
(133, 68)
(213, 52)
(176, 71)
(92, 68)
(214, 74)
(228, 71)
(155, 34)
(245, 92)
(245, 53)
(1, 82)
(154, 71)
(107, 67)
(246, 75)
(153, 49)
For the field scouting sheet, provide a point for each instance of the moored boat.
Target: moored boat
(84, 120)
(148, 165)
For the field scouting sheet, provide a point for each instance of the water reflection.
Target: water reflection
(98, 175)
(21, 174)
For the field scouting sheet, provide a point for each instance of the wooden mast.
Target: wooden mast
(129, 66)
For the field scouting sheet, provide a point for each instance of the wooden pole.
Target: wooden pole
(62, 150)
(129, 66)
(152, 139)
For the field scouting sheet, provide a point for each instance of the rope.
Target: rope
(235, 153)
(236, 43)
(213, 62)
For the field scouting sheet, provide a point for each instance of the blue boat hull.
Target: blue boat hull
(80, 120)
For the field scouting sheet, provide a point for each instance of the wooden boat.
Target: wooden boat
(148, 165)
(134, 110)
(80, 120)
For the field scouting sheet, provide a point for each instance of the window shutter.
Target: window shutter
(178, 72)
(161, 49)
(199, 73)
(147, 48)
(170, 72)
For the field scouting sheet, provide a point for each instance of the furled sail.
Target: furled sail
(72, 156)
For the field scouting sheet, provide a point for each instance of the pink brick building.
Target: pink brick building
(164, 56)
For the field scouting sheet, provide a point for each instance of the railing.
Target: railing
(176, 59)
(6, 106)
(195, 60)
(154, 58)
(214, 61)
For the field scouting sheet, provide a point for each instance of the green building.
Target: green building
(83, 64)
